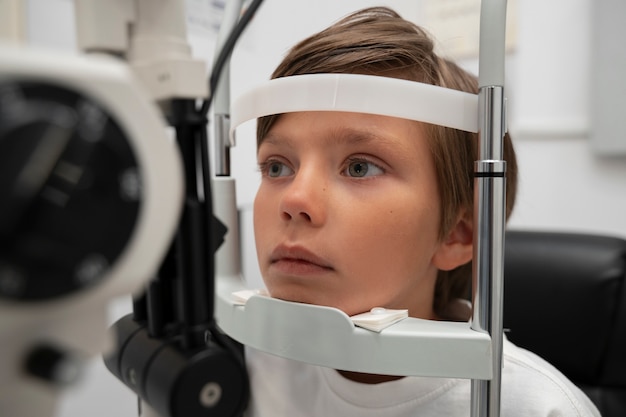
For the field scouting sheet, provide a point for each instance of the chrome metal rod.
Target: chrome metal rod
(488, 264)
(489, 219)
(221, 95)
(222, 145)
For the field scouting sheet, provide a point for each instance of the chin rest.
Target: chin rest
(565, 300)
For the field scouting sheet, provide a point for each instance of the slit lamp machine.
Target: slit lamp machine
(98, 202)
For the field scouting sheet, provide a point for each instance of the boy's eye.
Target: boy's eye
(276, 169)
(362, 168)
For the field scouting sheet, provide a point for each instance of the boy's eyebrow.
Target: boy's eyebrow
(358, 136)
(274, 139)
(342, 135)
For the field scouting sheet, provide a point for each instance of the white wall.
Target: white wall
(564, 185)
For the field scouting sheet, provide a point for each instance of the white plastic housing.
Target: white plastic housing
(78, 322)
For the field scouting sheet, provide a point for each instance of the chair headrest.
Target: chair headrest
(565, 299)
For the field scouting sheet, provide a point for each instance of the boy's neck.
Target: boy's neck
(368, 378)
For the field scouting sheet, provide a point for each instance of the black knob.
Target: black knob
(52, 365)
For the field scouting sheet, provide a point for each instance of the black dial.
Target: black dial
(70, 191)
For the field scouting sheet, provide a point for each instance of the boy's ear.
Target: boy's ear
(457, 247)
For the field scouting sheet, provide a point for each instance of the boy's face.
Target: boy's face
(347, 213)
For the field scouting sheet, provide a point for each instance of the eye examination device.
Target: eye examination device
(99, 201)
(92, 191)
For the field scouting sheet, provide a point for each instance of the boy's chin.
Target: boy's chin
(349, 310)
(305, 297)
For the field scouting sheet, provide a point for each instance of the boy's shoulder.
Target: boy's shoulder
(530, 385)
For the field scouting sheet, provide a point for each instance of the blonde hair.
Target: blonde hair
(377, 41)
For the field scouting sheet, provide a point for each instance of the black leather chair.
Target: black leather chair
(565, 300)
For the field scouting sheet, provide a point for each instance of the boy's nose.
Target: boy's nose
(304, 200)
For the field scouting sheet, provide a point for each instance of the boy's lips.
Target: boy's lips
(297, 259)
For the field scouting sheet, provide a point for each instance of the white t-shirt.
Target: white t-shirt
(530, 387)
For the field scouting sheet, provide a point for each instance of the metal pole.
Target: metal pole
(221, 95)
(490, 203)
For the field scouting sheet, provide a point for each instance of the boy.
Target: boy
(356, 211)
